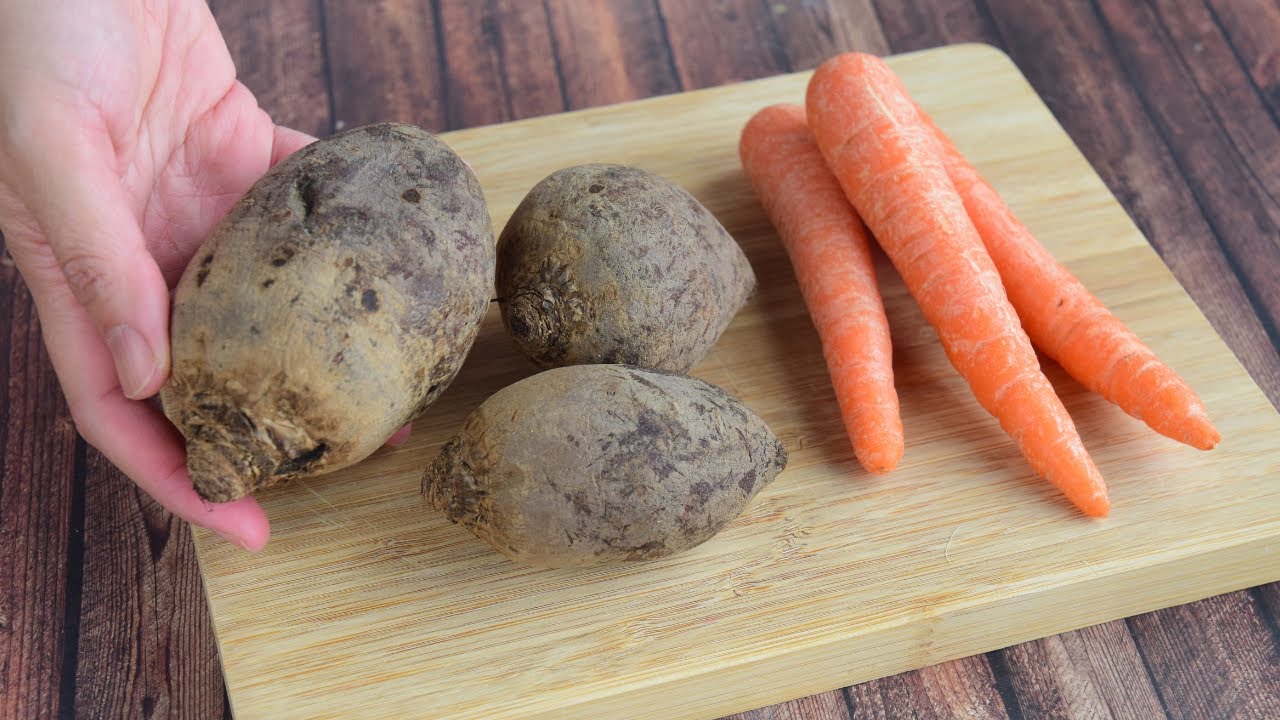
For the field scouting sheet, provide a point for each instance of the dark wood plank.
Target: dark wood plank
(1252, 27)
(1096, 672)
(1229, 99)
(500, 61)
(1204, 108)
(1216, 658)
(1070, 56)
(811, 32)
(964, 688)
(385, 63)
(924, 24)
(610, 51)
(714, 42)
(831, 705)
(142, 599)
(1267, 598)
(40, 510)
(278, 49)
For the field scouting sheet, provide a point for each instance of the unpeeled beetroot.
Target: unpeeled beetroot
(335, 302)
(593, 464)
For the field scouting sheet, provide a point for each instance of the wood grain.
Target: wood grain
(722, 41)
(810, 32)
(1095, 672)
(610, 51)
(1251, 29)
(1212, 659)
(40, 512)
(958, 689)
(828, 577)
(386, 64)
(502, 62)
(279, 53)
(912, 26)
(379, 60)
(139, 571)
(832, 705)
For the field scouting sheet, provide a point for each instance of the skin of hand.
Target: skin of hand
(124, 138)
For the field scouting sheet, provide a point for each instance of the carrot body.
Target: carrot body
(887, 162)
(1068, 323)
(831, 257)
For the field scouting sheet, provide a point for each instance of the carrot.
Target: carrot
(1068, 323)
(831, 257)
(888, 164)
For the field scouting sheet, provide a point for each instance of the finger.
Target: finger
(288, 141)
(147, 448)
(86, 218)
(400, 436)
(137, 439)
(132, 435)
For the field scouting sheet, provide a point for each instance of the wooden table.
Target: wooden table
(1176, 104)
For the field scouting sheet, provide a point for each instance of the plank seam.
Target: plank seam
(326, 65)
(990, 19)
(555, 56)
(1002, 678)
(891, 47)
(493, 35)
(848, 702)
(777, 47)
(1244, 67)
(74, 586)
(665, 32)
(9, 281)
(442, 67)
(1146, 667)
(1268, 619)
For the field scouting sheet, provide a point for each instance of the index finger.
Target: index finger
(134, 436)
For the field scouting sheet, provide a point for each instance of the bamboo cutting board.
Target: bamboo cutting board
(366, 604)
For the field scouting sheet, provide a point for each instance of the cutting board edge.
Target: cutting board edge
(1235, 566)
(828, 652)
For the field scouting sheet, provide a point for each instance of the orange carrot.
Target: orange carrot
(831, 257)
(888, 163)
(1068, 323)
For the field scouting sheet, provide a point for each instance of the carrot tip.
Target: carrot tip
(1202, 435)
(879, 460)
(1097, 506)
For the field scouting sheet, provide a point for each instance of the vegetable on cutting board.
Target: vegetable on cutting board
(886, 159)
(831, 256)
(1068, 323)
(606, 263)
(592, 464)
(334, 302)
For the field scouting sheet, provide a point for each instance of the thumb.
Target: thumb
(286, 141)
(85, 215)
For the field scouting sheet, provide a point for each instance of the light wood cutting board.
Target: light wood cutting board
(368, 604)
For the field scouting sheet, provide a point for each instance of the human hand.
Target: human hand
(124, 137)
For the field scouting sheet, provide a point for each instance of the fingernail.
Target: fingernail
(136, 363)
(238, 542)
(400, 437)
